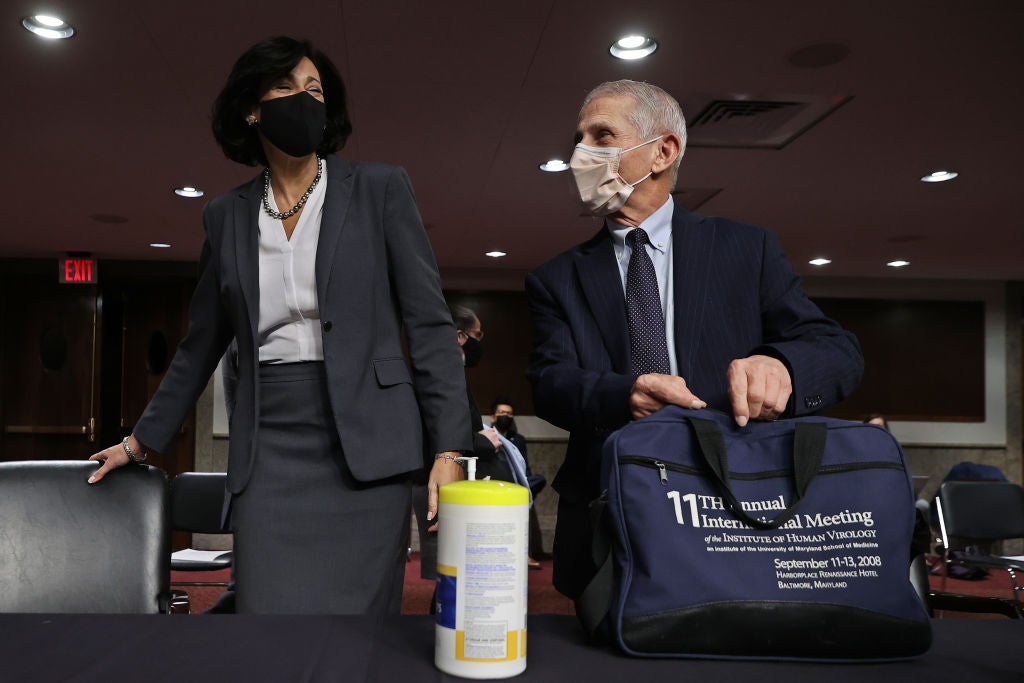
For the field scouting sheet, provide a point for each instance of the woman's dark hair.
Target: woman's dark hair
(249, 79)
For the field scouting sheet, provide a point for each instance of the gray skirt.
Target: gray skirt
(308, 538)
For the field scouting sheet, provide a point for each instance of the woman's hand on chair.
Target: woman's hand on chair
(113, 457)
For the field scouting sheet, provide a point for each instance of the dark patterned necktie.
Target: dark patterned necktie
(648, 346)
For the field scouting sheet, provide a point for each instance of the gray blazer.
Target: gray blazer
(376, 275)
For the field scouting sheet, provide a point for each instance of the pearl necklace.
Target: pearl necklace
(279, 215)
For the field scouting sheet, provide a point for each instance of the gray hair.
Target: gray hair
(463, 317)
(656, 112)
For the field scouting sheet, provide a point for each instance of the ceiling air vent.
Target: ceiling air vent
(754, 122)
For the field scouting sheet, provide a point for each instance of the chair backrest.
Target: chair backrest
(982, 510)
(67, 546)
(197, 502)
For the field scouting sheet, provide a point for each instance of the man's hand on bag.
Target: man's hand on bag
(654, 391)
(759, 388)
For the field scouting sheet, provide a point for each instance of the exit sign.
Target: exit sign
(79, 271)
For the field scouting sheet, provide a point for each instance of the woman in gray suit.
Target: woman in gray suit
(315, 268)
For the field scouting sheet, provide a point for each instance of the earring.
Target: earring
(251, 120)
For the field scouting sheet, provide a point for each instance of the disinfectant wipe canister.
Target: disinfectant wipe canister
(481, 579)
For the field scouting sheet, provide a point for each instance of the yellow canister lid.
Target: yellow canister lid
(484, 492)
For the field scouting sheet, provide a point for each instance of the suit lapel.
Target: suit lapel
(246, 224)
(602, 287)
(693, 239)
(336, 202)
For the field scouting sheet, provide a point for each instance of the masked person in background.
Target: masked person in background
(491, 462)
(663, 306)
(315, 268)
(503, 419)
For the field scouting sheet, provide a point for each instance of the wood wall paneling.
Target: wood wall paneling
(106, 375)
(51, 364)
(923, 360)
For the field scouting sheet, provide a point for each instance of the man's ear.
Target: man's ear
(669, 149)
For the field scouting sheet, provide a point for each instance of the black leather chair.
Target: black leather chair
(197, 503)
(70, 547)
(982, 512)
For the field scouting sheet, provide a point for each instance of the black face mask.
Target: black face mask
(294, 124)
(473, 350)
(505, 424)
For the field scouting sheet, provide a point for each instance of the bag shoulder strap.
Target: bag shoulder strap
(594, 603)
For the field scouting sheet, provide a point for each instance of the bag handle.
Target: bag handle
(808, 449)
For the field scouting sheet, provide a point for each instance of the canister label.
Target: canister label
(481, 588)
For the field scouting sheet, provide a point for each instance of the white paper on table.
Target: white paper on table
(190, 555)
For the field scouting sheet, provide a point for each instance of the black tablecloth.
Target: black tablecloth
(227, 648)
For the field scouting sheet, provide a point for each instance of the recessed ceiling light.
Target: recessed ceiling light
(897, 264)
(554, 166)
(495, 254)
(160, 245)
(820, 261)
(47, 26)
(633, 47)
(939, 176)
(188, 191)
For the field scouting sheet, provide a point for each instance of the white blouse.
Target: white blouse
(289, 327)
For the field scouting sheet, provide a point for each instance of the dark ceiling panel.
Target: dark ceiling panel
(471, 96)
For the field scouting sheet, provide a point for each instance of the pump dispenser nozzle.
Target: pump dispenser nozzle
(470, 461)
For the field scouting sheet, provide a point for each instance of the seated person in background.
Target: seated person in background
(877, 419)
(503, 420)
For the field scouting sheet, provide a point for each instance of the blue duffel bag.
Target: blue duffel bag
(778, 540)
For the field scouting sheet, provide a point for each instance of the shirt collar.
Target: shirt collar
(658, 227)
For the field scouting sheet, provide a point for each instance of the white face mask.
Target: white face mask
(595, 173)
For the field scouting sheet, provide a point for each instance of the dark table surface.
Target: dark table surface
(227, 648)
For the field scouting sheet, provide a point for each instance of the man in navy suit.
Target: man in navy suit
(694, 311)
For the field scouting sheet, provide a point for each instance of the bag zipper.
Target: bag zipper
(664, 467)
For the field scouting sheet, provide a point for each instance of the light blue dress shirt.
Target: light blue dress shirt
(659, 229)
